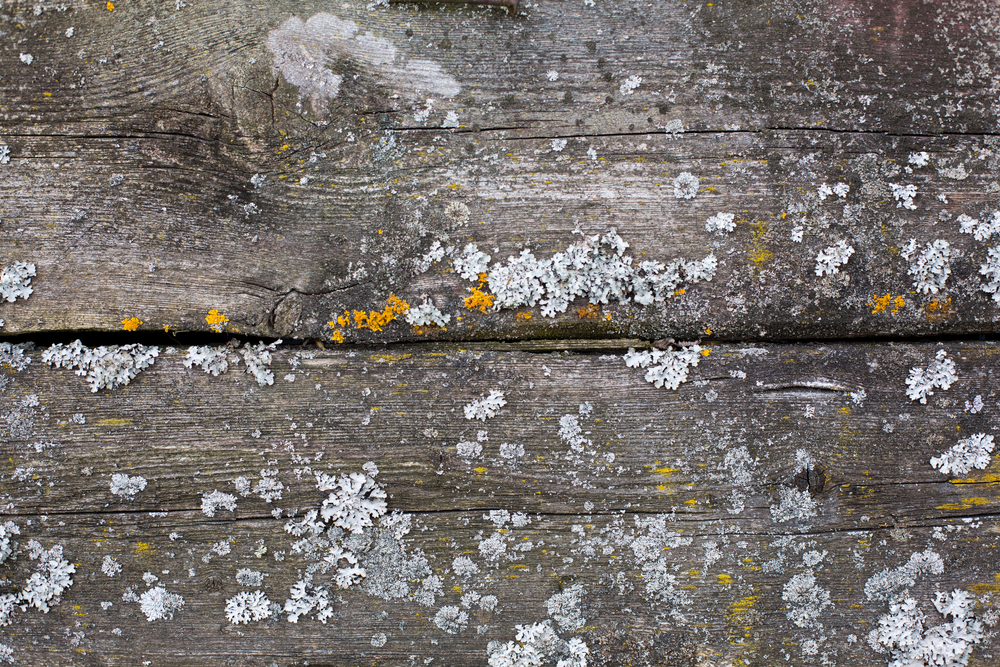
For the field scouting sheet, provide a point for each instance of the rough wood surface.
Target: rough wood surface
(134, 140)
(199, 171)
(709, 460)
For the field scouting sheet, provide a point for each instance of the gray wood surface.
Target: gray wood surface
(709, 460)
(183, 106)
(224, 170)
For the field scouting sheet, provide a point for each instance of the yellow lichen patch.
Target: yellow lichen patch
(880, 303)
(375, 320)
(666, 472)
(142, 548)
(738, 611)
(337, 336)
(215, 320)
(131, 324)
(342, 320)
(591, 311)
(523, 316)
(388, 358)
(964, 504)
(479, 300)
(110, 6)
(114, 422)
(937, 311)
(725, 579)
(981, 589)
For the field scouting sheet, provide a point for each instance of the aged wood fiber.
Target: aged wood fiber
(191, 172)
(863, 457)
(134, 141)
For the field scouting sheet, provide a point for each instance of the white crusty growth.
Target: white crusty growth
(211, 359)
(981, 231)
(105, 367)
(721, 223)
(968, 453)
(157, 603)
(595, 268)
(664, 367)
(356, 500)
(930, 267)
(940, 373)
(245, 607)
(258, 358)
(828, 261)
(991, 270)
(426, 314)
(15, 281)
(127, 487)
(211, 502)
(902, 632)
(486, 407)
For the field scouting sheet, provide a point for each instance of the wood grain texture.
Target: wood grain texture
(709, 460)
(133, 143)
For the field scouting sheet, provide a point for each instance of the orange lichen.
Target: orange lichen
(591, 311)
(337, 336)
(342, 320)
(110, 6)
(522, 317)
(374, 320)
(479, 300)
(936, 311)
(131, 324)
(215, 320)
(880, 303)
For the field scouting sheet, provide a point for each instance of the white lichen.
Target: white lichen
(667, 368)
(258, 358)
(471, 262)
(7, 532)
(564, 608)
(793, 504)
(991, 271)
(939, 374)
(485, 407)
(211, 502)
(157, 603)
(52, 576)
(354, 502)
(904, 194)
(806, 599)
(892, 584)
(111, 567)
(968, 453)
(981, 231)
(127, 487)
(949, 644)
(212, 360)
(13, 355)
(451, 619)
(685, 185)
(105, 367)
(536, 645)
(930, 267)
(721, 223)
(630, 84)
(246, 606)
(15, 281)
(596, 268)
(829, 260)
(426, 314)
(919, 159)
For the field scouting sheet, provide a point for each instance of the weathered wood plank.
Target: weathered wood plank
(134, 141)
(710, 461)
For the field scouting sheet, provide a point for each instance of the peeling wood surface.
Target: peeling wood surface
(134, 141)
(792, 423)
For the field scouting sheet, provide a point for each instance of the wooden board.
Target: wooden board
(134, 141)
(707, 463)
